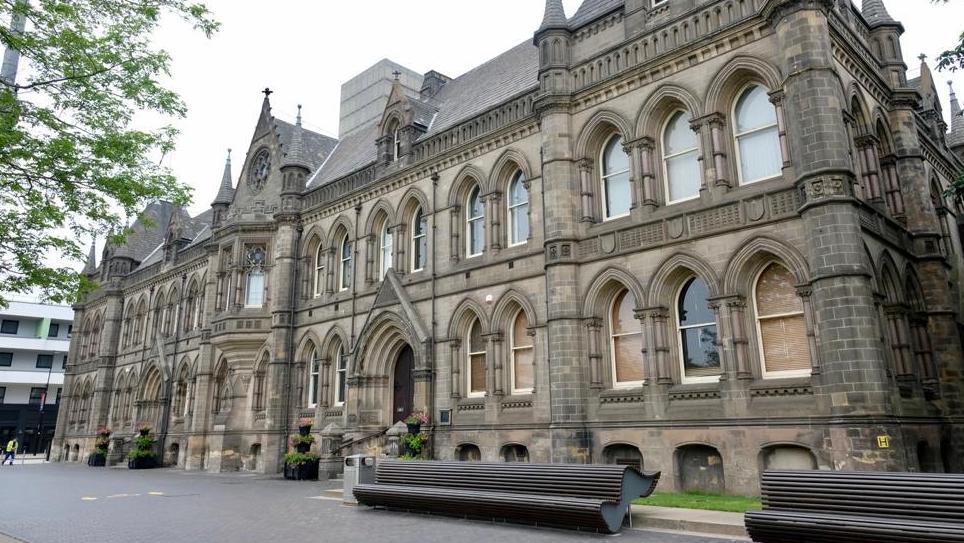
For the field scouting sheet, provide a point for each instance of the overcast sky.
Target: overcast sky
(304, 50)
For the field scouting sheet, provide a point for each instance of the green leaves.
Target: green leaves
(72, 165)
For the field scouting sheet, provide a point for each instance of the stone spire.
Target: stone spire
(11, 56)
(90, 267)
(875, 13)
(956, 135)
(226, 192)
(555, 16)
(297, 155)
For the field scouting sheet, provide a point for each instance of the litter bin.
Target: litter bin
(359, 469)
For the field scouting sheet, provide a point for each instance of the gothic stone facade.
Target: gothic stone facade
(701, 236)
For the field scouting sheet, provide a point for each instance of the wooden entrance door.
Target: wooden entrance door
(403, 394)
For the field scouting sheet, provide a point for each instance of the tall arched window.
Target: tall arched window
(419, 240)
(476, 359)
(257, 394)
(319, 276)
(220, 402)
(170, 313)
(681, 167)
(781, 328)
(696, 325)
(341, 376)
(523, 355)
(614, 173)
(344, 258)
(757, 136)
(396, 142)
(474, 223)
(626, 342)
(254, 291)
(387, 243)
(314, 366)
(140, 322)
(518, 210)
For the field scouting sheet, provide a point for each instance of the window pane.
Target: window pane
(475, 338)
(618, 195)
(255, 291)
(9, 327)
(623, 320)
(520, 333)
(477, 234)
(754, 110)
(683, 177)
(520, 223)
(45, 361)
(524, 375)
(629, 359)
(421, 252)
(700, 356)
(693, 305)
(517, 191)
(615, 158)
(6, 359)
(760, 155)
(477, 373)
(54, 330)
(475, 204)
(678, 137)
(785, 345)
(775, 292)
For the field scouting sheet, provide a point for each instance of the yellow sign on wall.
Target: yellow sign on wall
(883, 442)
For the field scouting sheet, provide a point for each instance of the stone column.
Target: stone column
(635, 173)
(647, 146)
(494, 216)
(497, 373)
(593, 329)
(704, 150)
(370, 248)
(719, 137)
(455, 347)
(586, 190)
(776, 98)
(738, 341)
(456, 228)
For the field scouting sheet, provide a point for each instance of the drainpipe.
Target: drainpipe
(432, 384)
(542, 191)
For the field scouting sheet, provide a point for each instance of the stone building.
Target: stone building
(700, 236)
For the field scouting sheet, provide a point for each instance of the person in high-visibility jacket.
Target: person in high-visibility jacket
(11, 452)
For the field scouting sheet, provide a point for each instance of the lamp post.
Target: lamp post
(40, 419)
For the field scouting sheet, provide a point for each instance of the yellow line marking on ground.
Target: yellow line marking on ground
(117, 496)
(155, 493)
(88, 498)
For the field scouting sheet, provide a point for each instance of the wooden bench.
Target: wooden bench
(865, 507)
(579, 496)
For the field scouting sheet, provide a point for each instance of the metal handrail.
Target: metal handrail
(359, 440)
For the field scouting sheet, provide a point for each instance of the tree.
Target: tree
(72, 163)
(952, 59)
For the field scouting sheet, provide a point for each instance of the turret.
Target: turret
(295, 168)
(931, 109)
(553, 39)
(90, 267)
(955, 138)
(885, 35)
(225, 195)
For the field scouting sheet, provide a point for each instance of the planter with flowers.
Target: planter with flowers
(415, 421)
(98, 458)
(142, 455)
(413, 443)
(301, 464)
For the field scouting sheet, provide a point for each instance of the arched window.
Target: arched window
(474, 223)
(387, 243)
(170, 313)
(396, 141)
(341, 376)
(626, 342)
(319, 276)
(696, 325)
(314, 366)
(781, 327)
(344, 258)
(515, 453)
(260, 375)
(178, 406)
(476, 360)
(468, 452)
(220, 402)
(523, 355)
(757, 136)
(614, 173)
(419, 240)
(681, 167)
(518, 210)
(254, 296)
(140, 322)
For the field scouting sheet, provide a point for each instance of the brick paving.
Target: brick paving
(54, 503)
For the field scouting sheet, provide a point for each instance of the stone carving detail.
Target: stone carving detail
(714, 219)
(755, 209)
(259, 170)
(824, 187)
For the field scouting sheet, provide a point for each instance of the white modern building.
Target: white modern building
(33, 356)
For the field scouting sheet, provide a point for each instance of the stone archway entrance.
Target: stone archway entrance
(403, 385)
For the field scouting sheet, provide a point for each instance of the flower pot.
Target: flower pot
(147, 462)
(97, 461)
(304, 430)
(307, 471)
(414, 428)
(144, 431)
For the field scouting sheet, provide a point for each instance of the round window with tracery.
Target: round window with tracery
(259, 170)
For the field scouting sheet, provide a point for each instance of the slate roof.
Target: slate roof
(317, 146)
(875, 13)
(353, 152)
(147, 232)
(590, 10)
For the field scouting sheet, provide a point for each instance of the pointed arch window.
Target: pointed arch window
(260, 375)
(474, 223)
(255, 281)
(518, 210)
(523, 355)
(757, 136)
(626, 342)
(614, 173)
(476, 359)
(680, 160)
(419, 240)
(387, 243)
(221, 390)
(341, 376)
(781, 327)
(696, 327)
(319, 275)
(314, 371)
(396, 144)
(344, 259)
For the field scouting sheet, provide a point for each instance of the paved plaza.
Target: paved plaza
(53, 503)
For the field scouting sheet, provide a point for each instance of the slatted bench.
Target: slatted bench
(864, 507)
(576, 496)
